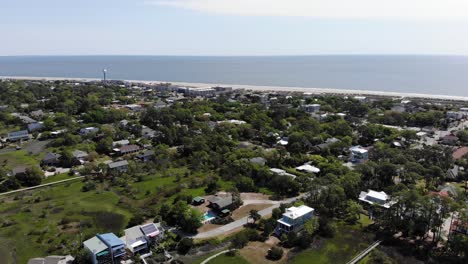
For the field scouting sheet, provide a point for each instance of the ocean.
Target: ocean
(436, 75)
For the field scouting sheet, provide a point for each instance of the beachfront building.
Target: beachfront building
(359, 154)
(105, 248)
(293, 219)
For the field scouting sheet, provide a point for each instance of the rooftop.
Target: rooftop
(110, 239)
(308, 168)
(296, 212)
(358, 149)
(95, 245)
(118, 164)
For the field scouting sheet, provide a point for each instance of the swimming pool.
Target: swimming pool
(208, 216)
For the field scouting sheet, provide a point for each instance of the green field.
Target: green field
(17, 158)
(224, 259)
(348, 242)
(48, 220)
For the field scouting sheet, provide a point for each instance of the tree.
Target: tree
(240, 240)
(32, 177)
(104, 145)
(83, 257)
(353, 211)
(191, 221)
(311, 226)
(254, 215)
(184, 245)
(378, 257)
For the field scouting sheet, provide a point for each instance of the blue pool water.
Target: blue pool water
(208, 215)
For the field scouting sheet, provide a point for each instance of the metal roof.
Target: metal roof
(95, 245)
(118, 164)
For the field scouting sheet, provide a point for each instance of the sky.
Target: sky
(233, 27)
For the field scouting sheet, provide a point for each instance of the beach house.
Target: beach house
(139, 238)
(293, 219)
(105, 248)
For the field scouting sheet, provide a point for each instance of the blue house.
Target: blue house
(105, 248)
(293, 219)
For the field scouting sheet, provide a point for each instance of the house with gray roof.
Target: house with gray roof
(51, 159)
(118, 166)
(18, 135)
(221, 202)
(146, 155)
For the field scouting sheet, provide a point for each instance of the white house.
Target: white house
(359, 154)
(308, 168)
(135, 240)
(379, 198)
(282, 172)
(294, 219)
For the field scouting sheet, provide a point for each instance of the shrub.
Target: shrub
(275, 253)
(185, 245)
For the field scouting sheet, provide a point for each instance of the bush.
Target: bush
(275, 253)
(88, 186)
(185, 245)
(326, 228)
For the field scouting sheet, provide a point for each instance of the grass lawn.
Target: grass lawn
(348, 241)
(224, 259)
(17, 158)
(46, 219)
(58, 177)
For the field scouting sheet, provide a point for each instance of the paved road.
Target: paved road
(42, 185)
(239, 223)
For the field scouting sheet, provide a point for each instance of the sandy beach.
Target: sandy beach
(311, 90)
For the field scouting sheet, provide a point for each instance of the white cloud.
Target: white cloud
(408, 9)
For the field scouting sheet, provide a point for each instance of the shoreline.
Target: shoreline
(262, 88)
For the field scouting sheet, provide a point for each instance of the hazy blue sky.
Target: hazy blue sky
(233, 27)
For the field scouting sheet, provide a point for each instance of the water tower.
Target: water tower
(104, 73)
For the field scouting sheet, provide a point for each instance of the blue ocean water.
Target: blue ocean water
(442, 75)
